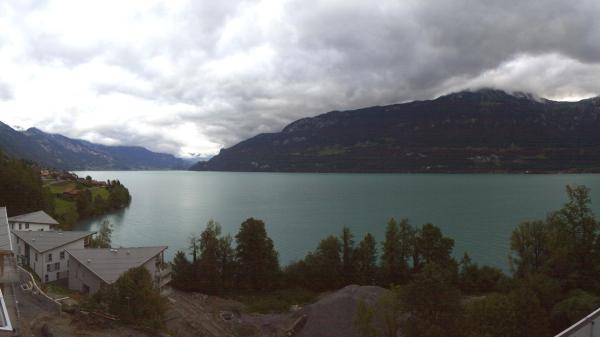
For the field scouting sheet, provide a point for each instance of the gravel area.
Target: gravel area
(333, 315)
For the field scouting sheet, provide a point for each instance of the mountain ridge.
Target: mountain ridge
(61, 152)
(486, 130)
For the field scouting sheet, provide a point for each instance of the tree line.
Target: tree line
(21, 189)
(554, 281)
(89, 205)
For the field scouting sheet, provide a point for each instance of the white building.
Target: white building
(93, 268)
(35, 221)
(44, 251)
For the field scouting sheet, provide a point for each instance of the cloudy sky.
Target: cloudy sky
(191, 77)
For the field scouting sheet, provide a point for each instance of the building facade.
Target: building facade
(92, 269)
(35, 221)
(44, 252)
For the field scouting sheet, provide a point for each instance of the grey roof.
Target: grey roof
(45, 240)
(110, 263)
(5, 242)
(39, 217)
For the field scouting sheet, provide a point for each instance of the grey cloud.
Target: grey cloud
(6, 92)
(347, 54)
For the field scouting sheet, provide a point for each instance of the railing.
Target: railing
(36, 290)
(589, 326)
(163, 275)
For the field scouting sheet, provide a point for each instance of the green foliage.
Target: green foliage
(398, 247)
(182, 274)
(133, 298)
(432, 247)
(21, 188)
(326, 264)
(530, 242)
(364, 321)
(276, 301)
(431, 302)
(215, 265)
(103, 237)
(475, 280)
(85, 206)
(119, 196)
(390, 308)
(491, 316)
(574, 307)
(347, 255)
(532, 319)
(213, 262)
(365, 260)
(574, 240)
(257, 260)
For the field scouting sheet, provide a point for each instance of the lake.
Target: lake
(478, 211)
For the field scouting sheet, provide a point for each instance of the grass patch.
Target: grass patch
(57, 291)
(62, 206)
(331, 151)
(276, 301)
(61, 187)
(99, 191)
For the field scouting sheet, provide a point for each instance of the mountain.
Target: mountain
(57, 151)
(471, 131)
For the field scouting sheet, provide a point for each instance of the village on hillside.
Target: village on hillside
(74, 198)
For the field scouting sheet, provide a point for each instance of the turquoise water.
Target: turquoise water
(478, 211)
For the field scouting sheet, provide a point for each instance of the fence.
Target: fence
(43, 298)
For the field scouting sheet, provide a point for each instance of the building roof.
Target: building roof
(43, 241)
(5, 241)
(110, 263)
(39, 217)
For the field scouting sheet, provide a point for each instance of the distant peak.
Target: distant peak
(34, 131)
(492, 94)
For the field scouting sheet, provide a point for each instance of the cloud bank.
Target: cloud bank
(191, 77)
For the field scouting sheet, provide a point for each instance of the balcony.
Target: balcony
(163, 274)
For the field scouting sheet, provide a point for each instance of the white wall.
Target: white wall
(40, 266)
(29, 226)
(80, 276)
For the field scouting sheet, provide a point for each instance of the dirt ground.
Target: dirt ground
(198, 315)
(67, 325)
(193, 315)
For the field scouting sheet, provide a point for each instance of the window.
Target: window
(26, 226)
(46, 278)
(36, 254)
(50, 257)
(57, 275)
(62, 255)
(41, 229)
(48, 267)
(57, 266)
(20, 226)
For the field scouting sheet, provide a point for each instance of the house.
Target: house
(8, 278)
(93, 268)
(44, 251)
(6, 246)
(35, 221)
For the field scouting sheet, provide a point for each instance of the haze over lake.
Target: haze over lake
(478, 211)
